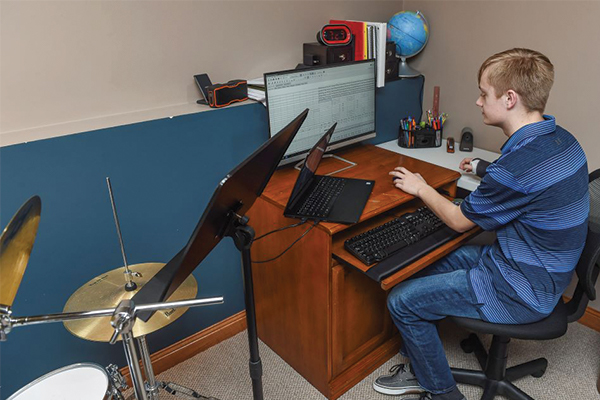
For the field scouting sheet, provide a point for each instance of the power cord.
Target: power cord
(302, 221)
(290, 246)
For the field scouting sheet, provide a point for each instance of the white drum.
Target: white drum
(83, 381)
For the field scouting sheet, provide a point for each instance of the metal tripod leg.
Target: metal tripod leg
(134, 367)
(151, 384)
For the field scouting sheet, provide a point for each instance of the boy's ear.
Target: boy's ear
(511, 99)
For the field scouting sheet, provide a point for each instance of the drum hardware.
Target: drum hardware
(124, 316)
(152, 385)
(118, 381)
(129, 283)
(16, 243)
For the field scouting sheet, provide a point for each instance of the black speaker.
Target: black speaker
(391, 62)
(318, 54)
(466, 139)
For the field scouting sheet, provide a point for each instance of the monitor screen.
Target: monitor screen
(341, 93)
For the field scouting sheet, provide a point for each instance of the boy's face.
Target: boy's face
(492, 107)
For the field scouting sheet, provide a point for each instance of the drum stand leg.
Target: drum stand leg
(134, 366)
(152, 385)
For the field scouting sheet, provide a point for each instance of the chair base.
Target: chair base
(495, 378)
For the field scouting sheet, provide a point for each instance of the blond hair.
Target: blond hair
(527, 72)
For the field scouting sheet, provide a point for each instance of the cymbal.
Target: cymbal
(16, 243)
(108, 289)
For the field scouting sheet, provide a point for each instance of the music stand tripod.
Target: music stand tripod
(225, 216)
(243, 235)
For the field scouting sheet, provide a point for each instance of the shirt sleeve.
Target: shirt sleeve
(498, 200)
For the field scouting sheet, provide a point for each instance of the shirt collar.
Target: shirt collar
(548, 125)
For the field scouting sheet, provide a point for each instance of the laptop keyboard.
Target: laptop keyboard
(322, 198)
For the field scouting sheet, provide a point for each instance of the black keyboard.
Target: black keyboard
(323, 196)
(399, 242)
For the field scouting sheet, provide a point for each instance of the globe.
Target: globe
(410, 31)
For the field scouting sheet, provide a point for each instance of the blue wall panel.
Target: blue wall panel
(163, 173)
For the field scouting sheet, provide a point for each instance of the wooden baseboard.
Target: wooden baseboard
(178, 352)
(591, 319)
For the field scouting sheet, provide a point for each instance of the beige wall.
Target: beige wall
(465, 33)
(64, 61)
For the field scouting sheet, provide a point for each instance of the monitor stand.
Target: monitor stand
(298, 166)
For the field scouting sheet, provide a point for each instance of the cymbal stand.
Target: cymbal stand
(152, 385)
(123, 318)
(129, 283)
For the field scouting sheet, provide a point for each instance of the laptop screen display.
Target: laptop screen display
(313, 159)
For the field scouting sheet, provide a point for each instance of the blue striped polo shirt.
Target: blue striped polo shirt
(535, 196)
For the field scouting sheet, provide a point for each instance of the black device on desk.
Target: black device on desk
(399, 242)
(203, 82)
(466, 139)
(326, 198)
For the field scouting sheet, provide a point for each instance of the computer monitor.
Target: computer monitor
(341, 93)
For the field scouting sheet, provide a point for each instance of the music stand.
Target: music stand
(225, 216)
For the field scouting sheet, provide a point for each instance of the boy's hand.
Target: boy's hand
(465, 165)
(407, 181)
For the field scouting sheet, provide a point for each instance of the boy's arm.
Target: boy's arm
(447, 211)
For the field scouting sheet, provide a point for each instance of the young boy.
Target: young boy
(535, 196)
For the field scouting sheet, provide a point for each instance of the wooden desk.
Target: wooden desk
(327, 319)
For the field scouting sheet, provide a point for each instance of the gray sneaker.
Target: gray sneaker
(402, 380)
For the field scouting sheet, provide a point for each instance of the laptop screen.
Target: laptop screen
(313, 159)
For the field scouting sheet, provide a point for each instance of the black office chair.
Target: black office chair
(495, 378)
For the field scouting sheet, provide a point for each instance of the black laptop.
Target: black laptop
(327, 198)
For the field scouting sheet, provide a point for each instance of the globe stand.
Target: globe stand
(405, 71)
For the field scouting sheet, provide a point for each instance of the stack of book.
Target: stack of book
(256, 90)
(369, 42)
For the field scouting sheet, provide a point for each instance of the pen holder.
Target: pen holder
(420, 138)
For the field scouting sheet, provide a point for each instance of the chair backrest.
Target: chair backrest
(588, 268)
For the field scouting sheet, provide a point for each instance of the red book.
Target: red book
(359, 30)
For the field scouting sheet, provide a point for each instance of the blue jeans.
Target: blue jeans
(440, 290)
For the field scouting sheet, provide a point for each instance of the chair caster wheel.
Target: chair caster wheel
(539, 374)
(467, 345)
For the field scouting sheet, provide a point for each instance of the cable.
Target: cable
(289, 247)
(303, 221)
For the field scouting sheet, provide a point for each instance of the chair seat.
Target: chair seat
(551, 327)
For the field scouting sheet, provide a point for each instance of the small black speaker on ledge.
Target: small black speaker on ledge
(391, 62)
(318, 54)
(466, 139)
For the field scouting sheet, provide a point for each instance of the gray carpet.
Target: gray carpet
(222, 371)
